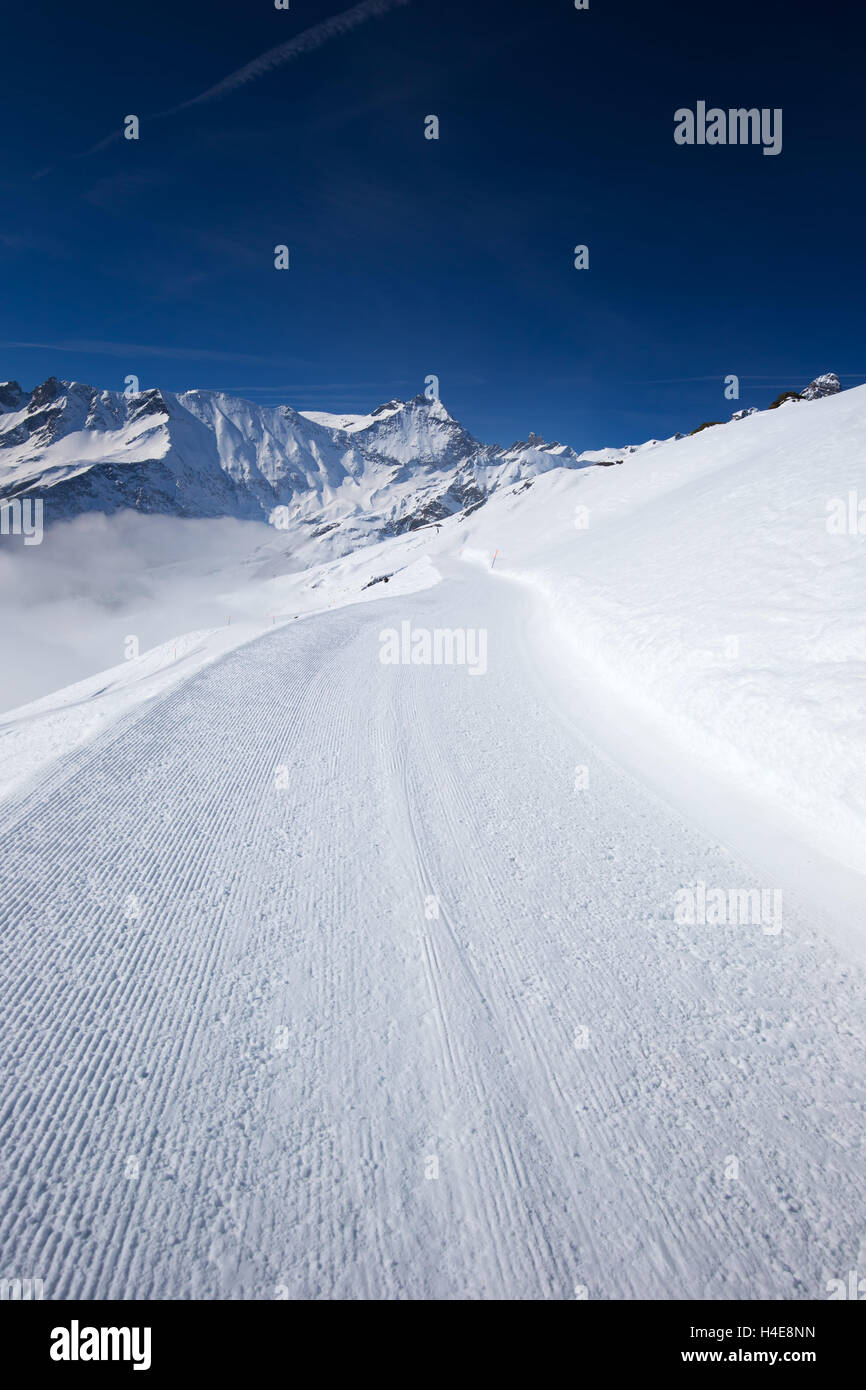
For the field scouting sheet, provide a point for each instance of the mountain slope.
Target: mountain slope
(207, 454)
(719, 589)
(333, 482)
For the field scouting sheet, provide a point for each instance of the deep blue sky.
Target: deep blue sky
(412, 257)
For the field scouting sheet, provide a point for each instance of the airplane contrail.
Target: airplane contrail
(305, 42)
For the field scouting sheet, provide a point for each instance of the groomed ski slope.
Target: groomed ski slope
(239, 1043)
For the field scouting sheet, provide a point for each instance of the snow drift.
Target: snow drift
(718, 585)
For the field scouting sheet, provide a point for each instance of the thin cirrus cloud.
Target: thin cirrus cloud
(98, 347)
(305, 42)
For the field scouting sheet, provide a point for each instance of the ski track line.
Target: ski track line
(552, 1112)
(511, 1167)
(486, 904)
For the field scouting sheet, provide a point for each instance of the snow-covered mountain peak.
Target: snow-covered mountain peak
(11, 396)
(354, 423)
(826, 385)
(349, 477)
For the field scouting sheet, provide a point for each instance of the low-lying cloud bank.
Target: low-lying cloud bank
(70, 604)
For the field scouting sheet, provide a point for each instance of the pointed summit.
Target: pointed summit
(826, 385)
(11, 396)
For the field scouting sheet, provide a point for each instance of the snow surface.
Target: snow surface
(708, 591)
(328, 978)
(351, 423)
